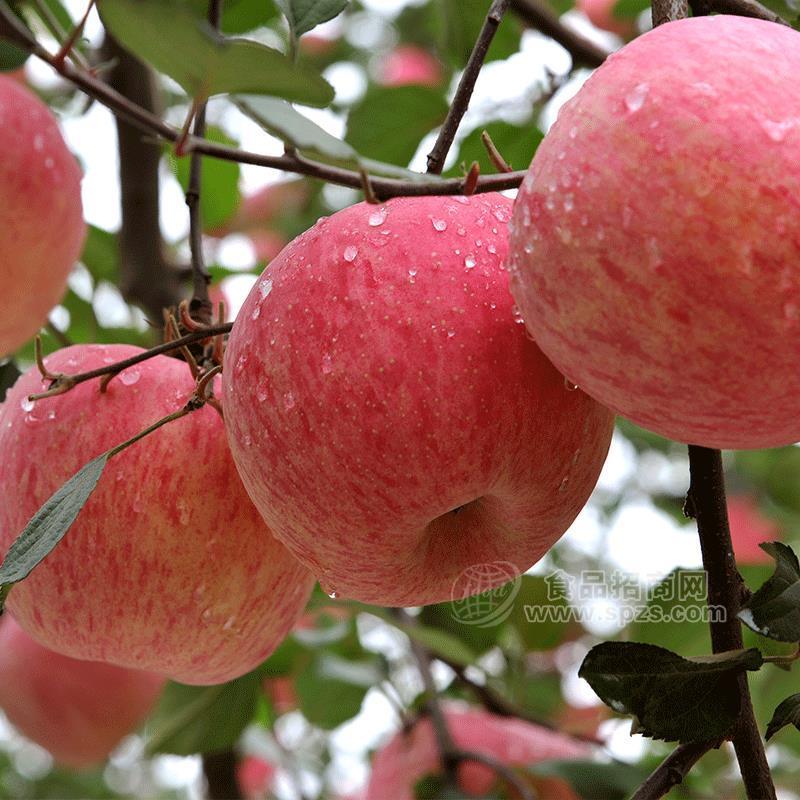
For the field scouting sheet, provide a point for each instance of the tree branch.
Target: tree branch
(669, 10)
(705, 501)
(220, 773)
(540, 16)
(458, 107)
(744, 8)
(672, 770)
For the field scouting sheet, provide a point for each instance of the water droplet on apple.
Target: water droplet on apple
(206, 615)
(264, 288)
(327, 364)
(634, 100)
(256, 313)
(517, 314)
(569, 385)
(461, 230)
(469, 262)
(350, 253)
(199, 591)
(377, 217)
(129, 377)
(569, 202)
(439, 224)
(288, 401)
(229, 623)
(26, 404)
(261, 395)
(777, 130)
(501, 215)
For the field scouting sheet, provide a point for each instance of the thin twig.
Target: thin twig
(52, 23)
(743, 8)
(669, 10)
(458, 107)
(672, 770)
(705, 501)
(384, 188)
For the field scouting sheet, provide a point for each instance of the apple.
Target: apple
(749, 527)
(408, 65)
(601, 14)
(254, 776)
(259, 210)
(388, 415)
(168, 567)
(41, 218)
(410, 756)
(78, 710)
(656, 235)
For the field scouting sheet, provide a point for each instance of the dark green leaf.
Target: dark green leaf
(101, 255)
(441, 617)
(303, 15)
(240, 16)
(202, 719)
(49, 525)
(787, 713)
(440, 643)
(629, 9)
(774, 610)
(8, 377)
(462, 21)
(540, 618)
(592, 780)
(176, 41)
(515, 143)
(373, 130)
(671, 698)
(219, 187)
(11, 57)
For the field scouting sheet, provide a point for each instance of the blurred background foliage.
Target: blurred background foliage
(345, 678)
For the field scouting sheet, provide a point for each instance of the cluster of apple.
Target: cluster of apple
(395, 403)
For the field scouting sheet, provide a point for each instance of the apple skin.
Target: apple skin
(254, 776)
(601, 14)
(77, 710)
(409, 65)
(168, 567)
(41, 217)
(656, 236)
(410, 756)
(749, 527)
(389, 417)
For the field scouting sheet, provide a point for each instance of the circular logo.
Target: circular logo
(483, 594)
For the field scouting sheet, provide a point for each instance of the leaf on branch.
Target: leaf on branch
(774, 610)
(49, 525)
(671, 697)
(181, 44)
(304, 15)
(787, 713)
(203, 719)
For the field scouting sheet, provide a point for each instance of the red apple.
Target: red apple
(410, 756)
(258, 210)
(657, 234)
(407, 65)
(41, 219)
(254, 776)
(601, 14)
(389, 417)
(168, 567)
(749, 527)
(78, 710)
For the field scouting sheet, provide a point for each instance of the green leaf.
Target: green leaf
(462, 21)
(629, 9)
(331, 689)
(219, 186)
(540, 618)
(440, 643)
(787, 713)
(8, 377)
(304, 15)
(101, 255)
(440, 617)
(671, 698)
(515, 143)
(593, 780)
(202, 719)
(240, 16)
(774, 610)
(176, 41)
(11, 57)
(49, 525)
(373, 129)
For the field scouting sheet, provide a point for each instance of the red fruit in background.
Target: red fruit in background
(78, 710)
(409, 757)
(254, 776)
(259, 209)
(267, 244)
(601, 14)
(41, 217)
(749, 527)
(168, 567)
(657, 234)
(389, 417)
(409, 64)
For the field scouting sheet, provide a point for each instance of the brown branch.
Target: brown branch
(539, 15)
(220, 773)
(146, 276)
(672, 770)
(744, 8)
(668, 10)
(458, 107)
(705, 501)
(13, 30)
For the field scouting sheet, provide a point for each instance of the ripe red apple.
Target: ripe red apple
(407, 65)
(41, 218)
(254, 776)
(410, 756)
(601, 14)
(387, 413)
(657, 234)
(168, 567)
(78, 710)
(259, 209)
(749, 527)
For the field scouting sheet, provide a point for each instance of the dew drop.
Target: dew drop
(491, 248)
(569, 385)
(26, 404)
(469, 262)
(501, 215)
(350, 253)
(634, 100)
(229, 623)
(261, 395)
(199, 591)
(129, 377)
(412, 273)
(206, 615)
(264, 287)
(450, 334)
(439, 224)
(327, 364)
(777, 131)
(377, 217)
(517, 314)
(288, 401)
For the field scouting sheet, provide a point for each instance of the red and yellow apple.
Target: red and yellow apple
(656, 236)
(408, 65)
(387, 413)
(601, 14)
(410, 756)
(78, 710)
(750, 527)
(168, 567)
(41, 217)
